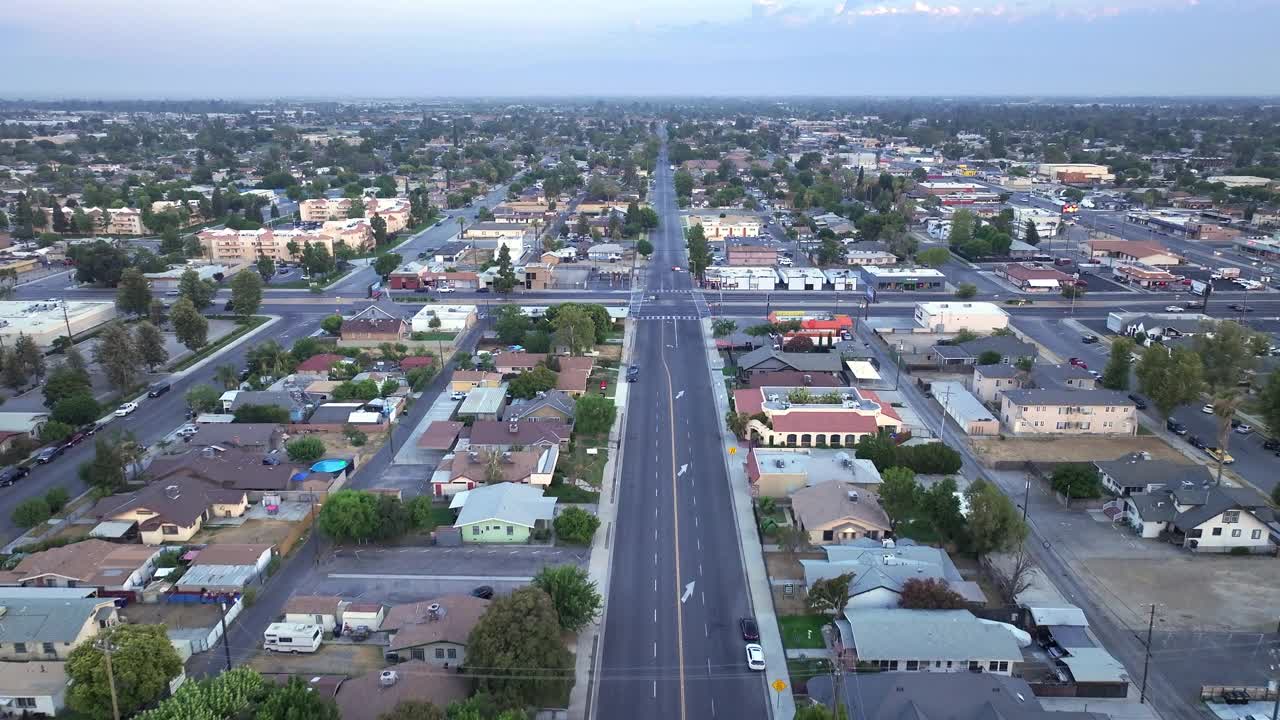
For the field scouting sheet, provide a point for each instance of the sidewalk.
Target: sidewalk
(761, 594)
(582, 699)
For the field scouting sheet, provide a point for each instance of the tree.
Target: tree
(76, 410)
(961, 228)
(798, 344)
(305, 450)
(994, 522)
(331, 324)
(143, 661)
(1169, 378)
(830, 595)
(1269, 401)
(934, 257)
(593, 414)
(899, 493)
(531, 382)
(737, 423)
(821, 712)
(57, 498)
(246, 294)
(349, 515)
(31, 512)
(1076, 481)
(1072, 291)
(55, 431)
(505, 281)
(517, 641)
(150, 344)
(644, 247)
(989, 357)
(1013, 579)
(199, 292)
(1031, 235)
(964, 291)
(65, 382)
(929, 594)
(575, 525)
(574, 329)
(157, 312)
(295, 700)
(28, 354)
(387, 264)
(1116, 375)
(413, 710)
(266, 268)
(111, 457)
(963, 336)
(1225, 405)
(941, 506)
(117, 354)
(203, 398)
(189, 325)
(1224, 350)
(14, 374)
(250, 413)
(133, 294)
(721, 327)
(575, 597)
(379, 227)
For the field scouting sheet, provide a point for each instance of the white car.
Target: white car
(1173, 308)
(444, 289)
(188, 430)
(458, 395)
(785, 262)
(1244, 428)
(1207, 409)
(126, 408)
(755, 657)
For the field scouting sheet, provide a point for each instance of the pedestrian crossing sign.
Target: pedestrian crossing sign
(733, 451)
(779, 685)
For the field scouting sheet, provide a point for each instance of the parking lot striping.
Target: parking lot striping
(391, 576)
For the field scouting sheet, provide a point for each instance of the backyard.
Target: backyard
(802, 631)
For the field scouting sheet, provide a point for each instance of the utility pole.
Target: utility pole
(1146, 661)
(1026, 499)
(105, 646)
(226, 647)
(66, 319)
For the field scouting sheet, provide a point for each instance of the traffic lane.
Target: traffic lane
(1253, 462)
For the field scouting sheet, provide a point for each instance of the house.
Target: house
(468, 380)
(605, 252)
(257, 437)
(793, 378)
(476, 467)
(440, 435)
(797, 417)
(39, 629)
(28, 423)
(1064, 633)
(940, 696)
(373, 326)
(172, 509)
(1009, 348)
(1202, 517)
(837, 512)
(375, 694)
(1113, 252)
(880, 568)
(434, 631)
(502, 435)
(952, 317)
(1136, 473)
(769, 360)
(504, 512)
(93, 563)
(322, 610)
(552, 405)
(34, 689)
(484, 403)
(224, 467)
(513, 363)
(937, 641)
(225, 568)
(778, 472)
(319, 365)
(1068, 412)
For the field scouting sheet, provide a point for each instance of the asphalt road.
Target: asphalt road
(671, 647)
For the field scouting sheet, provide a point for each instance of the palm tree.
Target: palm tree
(131, 453)
(1225, 405)
(227, 375)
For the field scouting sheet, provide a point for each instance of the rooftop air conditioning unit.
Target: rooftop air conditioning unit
(779, 463)
(387, 678)
(434, 612)
(853, 496)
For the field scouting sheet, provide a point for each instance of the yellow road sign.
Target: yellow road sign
(733, 451)
(779, 685)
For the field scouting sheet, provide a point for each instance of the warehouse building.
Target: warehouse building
(47, 320)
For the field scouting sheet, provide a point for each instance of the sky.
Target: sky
(428, 48)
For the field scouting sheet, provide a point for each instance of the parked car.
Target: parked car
(1244, 428)
(484, 592)
(1217, 454)
(1178, 428)
(1196, 442)
(750, 631)
(1271, 444)
(158, 389)
(755, 657)
(74, 440)
(1089, 339)
(1173, 308)
(1138, 402)
(13, 474)
(126, 408)
(633, 373)
(457, 395)
(1077, 362)
(48, 454)
(1207, 409)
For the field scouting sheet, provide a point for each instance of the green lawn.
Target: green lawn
(917, 529)
(442, 515)
(222, 342)
(572, 494)
(578, 464)
(432, 336)
(802, 631)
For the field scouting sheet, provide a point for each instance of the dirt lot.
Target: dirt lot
(1200, 592)
(251, 532)
(174, 615)
(1060, 449)
(331, 658)
(337, 445)
(609, 352)
(782, 566)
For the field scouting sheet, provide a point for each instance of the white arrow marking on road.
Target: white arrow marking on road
(688, 592)
(683, 468)
(679, 394)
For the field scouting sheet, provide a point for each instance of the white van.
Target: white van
(292, 637)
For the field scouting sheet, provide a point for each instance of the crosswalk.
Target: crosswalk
(664, 317)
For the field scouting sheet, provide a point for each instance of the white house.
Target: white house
(37, 688)
(1203, 518)
(943, 641)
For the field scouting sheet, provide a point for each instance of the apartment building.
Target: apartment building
(510, 235)
(225, 244)
(1068, 412)
(118, 221)
(395, 211)
(356, 233)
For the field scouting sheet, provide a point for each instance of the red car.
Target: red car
(1077, 362)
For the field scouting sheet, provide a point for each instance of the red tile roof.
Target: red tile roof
(748, 401)
(440, 435)
(416, 361)
(792, 378)
(320, 363)
(885, 408)
(824, 421)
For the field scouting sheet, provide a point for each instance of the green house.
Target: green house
(502, 512)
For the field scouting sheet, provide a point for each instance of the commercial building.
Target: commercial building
(750, 255)
(1240, 181)
(44, 321)
(942, 188)
(716, 227)
(509, 235)
(1046, 222)
(878, 258)
(966, 410)
(1177, 224)
(1266, 248)
(1076, 173)
(1142, 275)
(742, 278)
(1068, 412)
(801, 278)
(453, 318)
(1111, 252)
(880, 279)
(1034, 279)
(814, 417)
(952, 317)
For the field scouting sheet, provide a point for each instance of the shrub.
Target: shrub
(575, 525)
(1239, 551)
(305, 450)
(31, 513)
(57, 499)
(55, 431)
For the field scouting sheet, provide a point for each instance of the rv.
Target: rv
(292, 637)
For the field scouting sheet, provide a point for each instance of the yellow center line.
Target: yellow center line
(675, 513)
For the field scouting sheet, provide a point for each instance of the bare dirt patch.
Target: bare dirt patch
(1200, 592)
(251, 532)
(782, 566)
(330, 659)
(173, 615)
(1072, 449)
